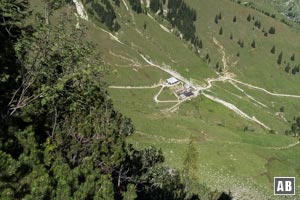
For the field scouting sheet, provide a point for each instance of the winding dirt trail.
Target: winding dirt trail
(225, 77)
(166, 101)
(199, 89)
(264, 90)
(169, 71)
(285, 147)
(222, 50)
(136, 87)
(186, 140)
(148, 87)
(246, 94)
(236, 110)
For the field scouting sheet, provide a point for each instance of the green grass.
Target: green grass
(135, 76)
(256, 66)
(167, 95)
(228, 155)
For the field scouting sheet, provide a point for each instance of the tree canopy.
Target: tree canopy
(60, 136)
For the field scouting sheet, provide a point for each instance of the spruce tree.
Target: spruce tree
(249, 18)
(293, 57)
(242, 44)
(287, 68)
(234, 19)
(216, 19)
(221, 31)
(253, 45)
(207, 56)
(279, 59)
(190, 166)
(220, 16)
(273, 49)
(272, 30)
(200, 45)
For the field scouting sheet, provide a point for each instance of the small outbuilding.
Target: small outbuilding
(182, 96)
(172, 81)
(188, 94)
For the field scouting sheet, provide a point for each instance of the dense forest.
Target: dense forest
(179, 14)
(136, 5)
(182, 16)
(156, 5)
(104, 12)
(60, 136)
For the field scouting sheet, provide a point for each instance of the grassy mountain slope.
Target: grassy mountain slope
(230, 158)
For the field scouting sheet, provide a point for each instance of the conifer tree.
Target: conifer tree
(272, 30)
(221, 31)
(207, 56)
(253, 45)
(293, 57)
(216, 19)
(234, 19)
(190, 166)
(249, 18)
(273, 49)
(279, 58)
(220, 16)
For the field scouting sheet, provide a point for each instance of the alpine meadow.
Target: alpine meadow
(149, 99)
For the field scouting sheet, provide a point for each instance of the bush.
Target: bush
(272, 30)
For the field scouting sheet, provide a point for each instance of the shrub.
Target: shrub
(272, 30)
